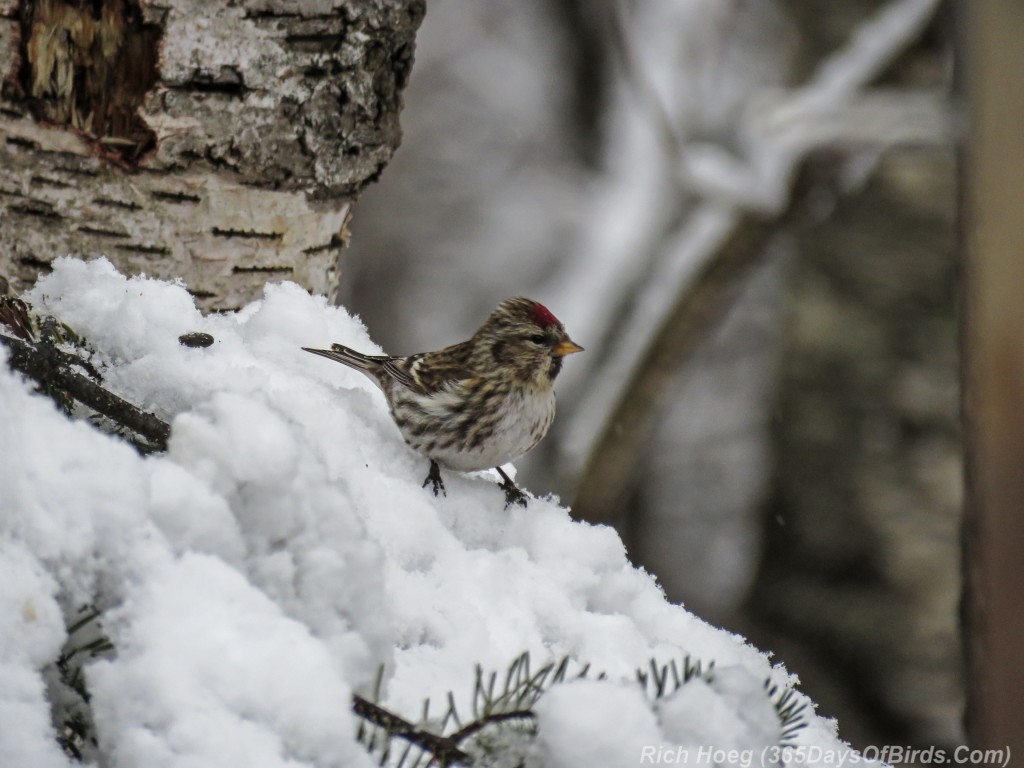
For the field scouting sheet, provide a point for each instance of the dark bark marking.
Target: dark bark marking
(219, 232)
(100, 232)
(149, 250)
(35, 262)
(35, 208)
(176, 197)
(241, 270)
(110, 202)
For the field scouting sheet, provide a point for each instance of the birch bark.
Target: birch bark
(221, 143)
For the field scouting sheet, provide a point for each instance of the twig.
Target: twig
(444, 749)
(499, 717)
(51, 367)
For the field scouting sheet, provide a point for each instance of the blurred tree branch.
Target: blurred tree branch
(756, 199)
(605, 482)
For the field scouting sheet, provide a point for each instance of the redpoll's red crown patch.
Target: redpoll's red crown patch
(542, 316)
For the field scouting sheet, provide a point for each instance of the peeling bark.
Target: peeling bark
(89, 68)
(220, 143)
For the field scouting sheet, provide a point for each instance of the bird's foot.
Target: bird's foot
(514, 496)
(512, 493)
(434, 476)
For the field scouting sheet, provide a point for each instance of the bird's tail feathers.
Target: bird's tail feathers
(369, 364)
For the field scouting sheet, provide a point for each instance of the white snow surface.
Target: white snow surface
(261, 570)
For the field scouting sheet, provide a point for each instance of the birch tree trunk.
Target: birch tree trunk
(222, 143)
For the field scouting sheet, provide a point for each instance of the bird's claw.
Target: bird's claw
(512, 493)
(514, 496)
(434, 477)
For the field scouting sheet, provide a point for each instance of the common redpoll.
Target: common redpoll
(480, 403)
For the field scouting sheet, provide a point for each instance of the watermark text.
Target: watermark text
(812, 755)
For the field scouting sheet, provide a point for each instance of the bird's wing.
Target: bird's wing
(402, 370)
(432, 372)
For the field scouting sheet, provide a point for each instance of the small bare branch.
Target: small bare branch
(45, 363)
(444, 749)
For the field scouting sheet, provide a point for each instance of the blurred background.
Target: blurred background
(745, 210)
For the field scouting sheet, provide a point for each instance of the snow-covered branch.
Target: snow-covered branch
(55, 371)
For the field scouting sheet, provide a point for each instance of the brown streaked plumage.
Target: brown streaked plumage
(480, 403)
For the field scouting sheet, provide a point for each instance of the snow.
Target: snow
(574, 720)
(258, 573)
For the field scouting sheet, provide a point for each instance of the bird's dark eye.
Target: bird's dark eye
(539, 338)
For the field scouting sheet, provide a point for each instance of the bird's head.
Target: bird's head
(523, 335)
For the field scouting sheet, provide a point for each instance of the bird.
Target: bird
(477, 404)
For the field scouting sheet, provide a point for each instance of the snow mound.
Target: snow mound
(262, 570)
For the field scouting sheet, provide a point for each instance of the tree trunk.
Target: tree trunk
(992, 246)
(219, 143)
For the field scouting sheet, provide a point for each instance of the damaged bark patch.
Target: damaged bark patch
(87, 65)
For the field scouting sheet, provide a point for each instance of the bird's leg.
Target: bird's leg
(512, 493)
(434, 476)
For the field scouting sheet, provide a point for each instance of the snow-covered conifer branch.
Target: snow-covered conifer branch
(38, 349)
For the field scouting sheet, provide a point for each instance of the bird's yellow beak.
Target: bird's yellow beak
(567, 348)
